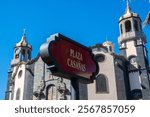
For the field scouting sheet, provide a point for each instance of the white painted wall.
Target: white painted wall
(106, 68)
(19, 82)
(131, 50)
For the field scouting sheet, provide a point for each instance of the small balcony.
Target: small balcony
(131, 36)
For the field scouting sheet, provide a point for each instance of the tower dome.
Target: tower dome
(128, 14)
(23, 42)
(22, 51)
(109, 45)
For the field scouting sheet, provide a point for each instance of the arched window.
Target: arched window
(101, 84)
(136, 25)
(23, 55)
(18, 94)
(20, 74)
(17, 51)
(51, 92)
(128, 26)
(121, 29)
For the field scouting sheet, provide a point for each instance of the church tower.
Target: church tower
(110, 46)
(132, 46)
(18, 82)
(22, 51)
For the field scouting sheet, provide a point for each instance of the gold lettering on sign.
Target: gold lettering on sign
(76, 61)
(76, 55)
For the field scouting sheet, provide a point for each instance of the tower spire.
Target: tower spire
(127, 2)
(128, 9)
(23, 42)
(24, 32)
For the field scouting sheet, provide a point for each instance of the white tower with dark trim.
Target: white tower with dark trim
(18, 83)
(132, 46)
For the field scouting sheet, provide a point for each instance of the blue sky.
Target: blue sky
(85, 21)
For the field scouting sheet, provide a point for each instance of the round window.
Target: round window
(20, 74)
(100, 57)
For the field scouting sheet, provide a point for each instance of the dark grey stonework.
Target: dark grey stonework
(140, 56)
(120, 81)
(38, 74)
(122, 78)
(43, 79)
(28, 84)
(83, 94)
(123, 52)
(9, 85)
(145, 85)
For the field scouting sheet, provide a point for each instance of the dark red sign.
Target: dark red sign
(67, 58)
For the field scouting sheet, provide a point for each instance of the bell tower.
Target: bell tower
(19, 86)
(22, 51)
(132, 46)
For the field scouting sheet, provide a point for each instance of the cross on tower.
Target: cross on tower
(24, 32)
(127, 1)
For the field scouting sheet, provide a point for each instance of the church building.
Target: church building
(120, 77)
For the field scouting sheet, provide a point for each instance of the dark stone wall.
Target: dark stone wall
(28, 84)
(9, 85)
(123, 52)
(120, 80)
(140, 56)
(83, 94)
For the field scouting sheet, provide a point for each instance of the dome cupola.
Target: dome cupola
(22, 51)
